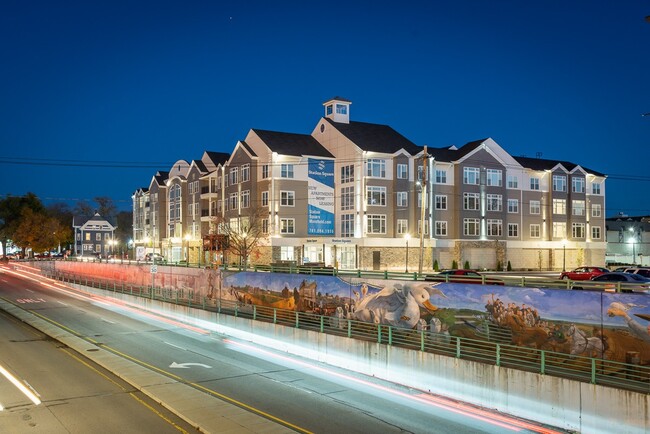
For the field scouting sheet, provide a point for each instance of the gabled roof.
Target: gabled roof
(292, 144)
(451, 153)
(199, 165)
(218, 157)
(542, 164)
(161, 177)
(375, 137)
(96, 222)
(248, 148)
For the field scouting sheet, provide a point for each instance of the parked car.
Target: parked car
(583, 273)
(629, 282)
(462, 276)
(151, 257)
(641, 271)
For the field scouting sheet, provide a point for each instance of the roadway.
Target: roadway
(280, 393)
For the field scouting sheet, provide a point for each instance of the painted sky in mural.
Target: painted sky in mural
(587, 307)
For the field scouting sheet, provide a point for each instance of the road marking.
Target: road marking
(108, 321)
(175, 346)
(60, 302)
(187, 365)
(29, 290)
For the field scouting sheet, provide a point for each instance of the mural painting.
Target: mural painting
(582, 323)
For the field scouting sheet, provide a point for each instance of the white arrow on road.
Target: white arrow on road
(187, 365)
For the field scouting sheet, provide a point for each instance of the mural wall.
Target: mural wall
(586, 323)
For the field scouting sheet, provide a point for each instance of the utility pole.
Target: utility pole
(423, 204)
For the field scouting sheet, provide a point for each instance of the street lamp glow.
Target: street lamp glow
(564, 242)
(407, 237)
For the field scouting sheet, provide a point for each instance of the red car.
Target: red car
(462, 276)
(583, 273)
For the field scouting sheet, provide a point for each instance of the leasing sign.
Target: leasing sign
(320, 213)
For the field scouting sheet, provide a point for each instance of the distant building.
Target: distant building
(628, 240)
(350, 195)
(93, 236)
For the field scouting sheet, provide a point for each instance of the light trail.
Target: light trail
(20, 386)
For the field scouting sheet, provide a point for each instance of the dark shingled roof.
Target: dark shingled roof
(292, 144)
(218, 157)
(248, 148)
(339, 98)
(161, 177)
(446, 154)
(200, 165)
(542, 164)
(375, 137)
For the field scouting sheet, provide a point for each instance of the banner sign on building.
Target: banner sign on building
(320, 212)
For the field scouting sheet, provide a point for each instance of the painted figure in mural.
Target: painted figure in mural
(621, 309)
(397, 306)
(582, 344)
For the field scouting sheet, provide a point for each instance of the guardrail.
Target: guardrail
(490, 350)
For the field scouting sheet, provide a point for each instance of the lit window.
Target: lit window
(559, 229)
(402, 226)
(470, 175)
(376, 223)
(559, 206)
(578, 207)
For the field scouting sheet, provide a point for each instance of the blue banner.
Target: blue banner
(320, 209)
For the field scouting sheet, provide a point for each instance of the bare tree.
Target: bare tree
(241, 234)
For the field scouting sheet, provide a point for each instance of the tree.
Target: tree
(40, 232)
(83, 208)
(242, 233)
(106, 207)
(11, 209)
(62, 212)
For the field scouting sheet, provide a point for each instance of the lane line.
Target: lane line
(20, 386)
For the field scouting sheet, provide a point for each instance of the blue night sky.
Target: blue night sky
(117, 90)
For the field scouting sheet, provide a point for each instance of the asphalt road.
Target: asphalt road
(297, 394)
(77, 395)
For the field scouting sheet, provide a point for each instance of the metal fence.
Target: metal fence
(491, 349)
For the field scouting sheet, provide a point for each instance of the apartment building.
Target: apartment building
(351, 195)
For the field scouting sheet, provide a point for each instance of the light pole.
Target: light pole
(632, 240)
(187, 248)
(407, 237)
(564, 241)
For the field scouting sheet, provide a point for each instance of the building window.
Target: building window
(347, 225)
(287, 198)
(87, 236)
(441, 229)
(441, 176)
(341, 109)
(234, 175)
(513, 230)
(402, 171)
(535, 207)
(559, 183)
(494, 228)
(233, 201)
(402, 199)
(420, 171)
(494, 202)
(559, 206)
(512, 181)
(265, 226)
(470, 201)
(494, 177)
(402, 226)
(286, 170)
(287, 253)
(347, 174)
(347, 198)
(559, 229)
(265, 198)
(578, 207)
(376, 223)
(578, 230)
(513, 206)
(426, 227)
(287, 226)
(535, 231)
(98, 237)
(534, 183)
(595, 232)
(376, 196)
(596, 210)
(376, 168)
(471, 227)
(470, 175)
(245, 198)
(578, 185)
(441, 201)
(245, 172)
(190, 210)
(595, 188)
(328, 109)
(265, 171)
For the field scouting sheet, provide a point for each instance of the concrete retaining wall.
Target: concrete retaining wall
(555, 401)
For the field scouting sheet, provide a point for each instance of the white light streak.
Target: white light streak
(28, 393)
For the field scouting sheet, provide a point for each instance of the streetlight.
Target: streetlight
(407, 237)
(632, 240)
(564, 241)
(188, 237)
